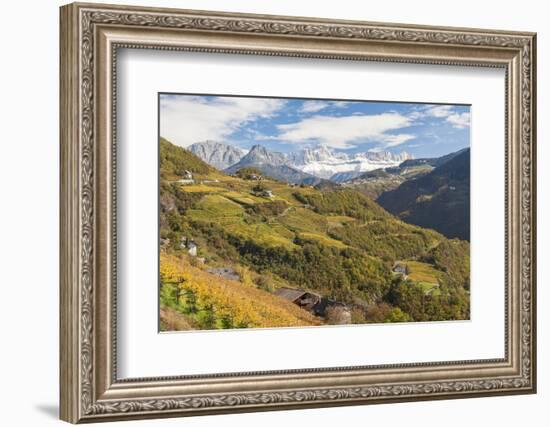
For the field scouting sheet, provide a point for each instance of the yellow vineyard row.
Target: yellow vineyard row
(238, 304)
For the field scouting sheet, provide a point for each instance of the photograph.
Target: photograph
(290, 212)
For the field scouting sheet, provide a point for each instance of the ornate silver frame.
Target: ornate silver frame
(90, 36)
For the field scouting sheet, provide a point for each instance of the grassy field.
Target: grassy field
(214, 207)
(421, 272)
(424, 275)
(199, 188)
(338, 220)
(300, 219)
(429, 288)
(263, 234)
(245, 199)
(328, 241)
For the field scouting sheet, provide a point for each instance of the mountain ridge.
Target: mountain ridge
(324, 162)
(319, 161)
(217, 154)
(274, 165)
(374, 183)
(439, 199)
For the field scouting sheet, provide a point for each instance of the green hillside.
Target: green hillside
(376, 182)
(339, 243)
(175, 161)
(438, 200)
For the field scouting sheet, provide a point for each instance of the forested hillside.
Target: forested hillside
(438, 200)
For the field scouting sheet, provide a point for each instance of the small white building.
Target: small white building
(186, 181)
(192, 248)
(401, 269)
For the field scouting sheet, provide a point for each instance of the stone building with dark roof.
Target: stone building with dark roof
(304, 299)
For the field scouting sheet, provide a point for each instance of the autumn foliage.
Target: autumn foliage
(213, 302)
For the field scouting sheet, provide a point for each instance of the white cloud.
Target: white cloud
(313, 106)
(342, 132)
(316, 106)
(394, 140)
(459, 120)
(439, 111)
(446, 112)
(378, 149)
(339, 104)
(188, 119)
(258, 136)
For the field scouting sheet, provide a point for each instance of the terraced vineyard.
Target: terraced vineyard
(210, 302)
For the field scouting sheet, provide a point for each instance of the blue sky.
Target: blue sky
(282, 124)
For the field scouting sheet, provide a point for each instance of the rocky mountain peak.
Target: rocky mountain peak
(260, 154)
(216, 153)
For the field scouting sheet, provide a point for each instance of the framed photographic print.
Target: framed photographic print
(265, 212)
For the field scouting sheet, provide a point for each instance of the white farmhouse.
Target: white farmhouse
(187, 178)
(192, 248)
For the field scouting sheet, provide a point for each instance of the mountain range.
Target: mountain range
(217, 154)
(324, 162)
(274, 165)
(301, 166)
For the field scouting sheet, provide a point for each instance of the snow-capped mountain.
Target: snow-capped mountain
(320, 161)
(273, 164)
(217, 154)
(324, 162)
(308, 155)
(259, 155)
